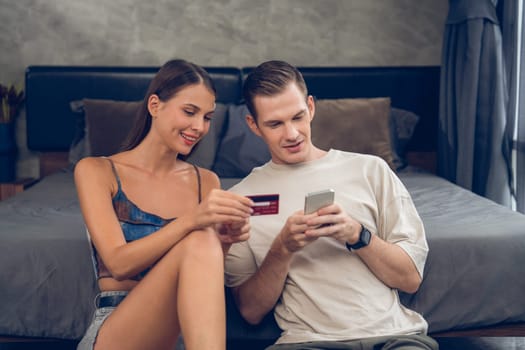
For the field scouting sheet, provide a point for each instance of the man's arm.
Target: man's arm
(387, 261)
(391, 264)
(258, 295)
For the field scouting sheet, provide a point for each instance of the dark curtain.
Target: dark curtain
(520, 141)
(513, 30)
(473, 102)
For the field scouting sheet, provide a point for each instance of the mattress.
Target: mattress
(474, 275)
(475, 270)
(46, 277)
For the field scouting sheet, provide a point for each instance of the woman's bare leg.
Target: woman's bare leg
(183, 290)
(201, 303)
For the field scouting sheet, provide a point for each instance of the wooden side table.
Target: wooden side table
(8, 189)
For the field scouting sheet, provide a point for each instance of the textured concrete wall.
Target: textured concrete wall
(214, 33)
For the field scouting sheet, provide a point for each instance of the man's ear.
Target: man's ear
(153, 105)
(311, 106)
(252, 124)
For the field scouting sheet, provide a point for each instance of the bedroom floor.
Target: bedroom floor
(445, 343)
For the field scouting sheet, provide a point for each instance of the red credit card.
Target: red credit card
(265, 204)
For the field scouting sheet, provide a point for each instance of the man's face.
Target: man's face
(283, 122)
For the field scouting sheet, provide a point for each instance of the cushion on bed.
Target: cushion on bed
(402, 126)
(240, 150)
(359, 125)
(102, 126)
(77, 149)
(232, 150)
(108, 122)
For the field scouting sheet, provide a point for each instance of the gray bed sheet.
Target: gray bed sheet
(46, 277)
(474, 274)
(475, 270)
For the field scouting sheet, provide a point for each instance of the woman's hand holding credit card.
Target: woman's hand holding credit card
(233, 212)
(221, 207)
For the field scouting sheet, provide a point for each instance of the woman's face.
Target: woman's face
(184, 119)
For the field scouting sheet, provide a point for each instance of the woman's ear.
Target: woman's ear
(153, 105)
(252, 124)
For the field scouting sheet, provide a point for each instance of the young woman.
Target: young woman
(153, 221)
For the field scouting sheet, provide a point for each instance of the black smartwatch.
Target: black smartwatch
(364, 240)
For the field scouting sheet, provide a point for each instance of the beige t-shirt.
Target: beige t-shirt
(329, 293)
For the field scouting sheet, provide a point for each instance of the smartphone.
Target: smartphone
(316, 200)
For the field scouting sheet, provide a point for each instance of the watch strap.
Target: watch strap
(363, 241)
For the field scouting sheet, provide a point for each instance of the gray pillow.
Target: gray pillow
(402, 126)
(79, 145)
(240, 150)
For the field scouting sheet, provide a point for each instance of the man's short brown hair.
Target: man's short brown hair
(269, 79)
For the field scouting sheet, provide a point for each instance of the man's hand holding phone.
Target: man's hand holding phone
(335, 222)
(292, 237)
(317, 200)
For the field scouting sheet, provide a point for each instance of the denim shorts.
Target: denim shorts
(88, 341)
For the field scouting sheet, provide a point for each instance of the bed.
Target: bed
(474, 276)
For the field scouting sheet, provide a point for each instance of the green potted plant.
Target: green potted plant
(11, 100)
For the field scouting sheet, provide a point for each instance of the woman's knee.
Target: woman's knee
(202, 245)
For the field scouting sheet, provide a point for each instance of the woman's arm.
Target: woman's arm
(95, 184)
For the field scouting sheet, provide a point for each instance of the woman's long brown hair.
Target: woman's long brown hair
(172, 77)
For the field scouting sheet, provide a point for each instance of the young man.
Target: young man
(330, 277)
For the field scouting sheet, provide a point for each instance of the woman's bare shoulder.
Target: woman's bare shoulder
(92, 168)
(92, 164)
(209, 179)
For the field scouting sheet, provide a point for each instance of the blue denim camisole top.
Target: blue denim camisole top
(135, 223)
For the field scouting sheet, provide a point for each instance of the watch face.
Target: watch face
(364, 239)
(365, 236)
